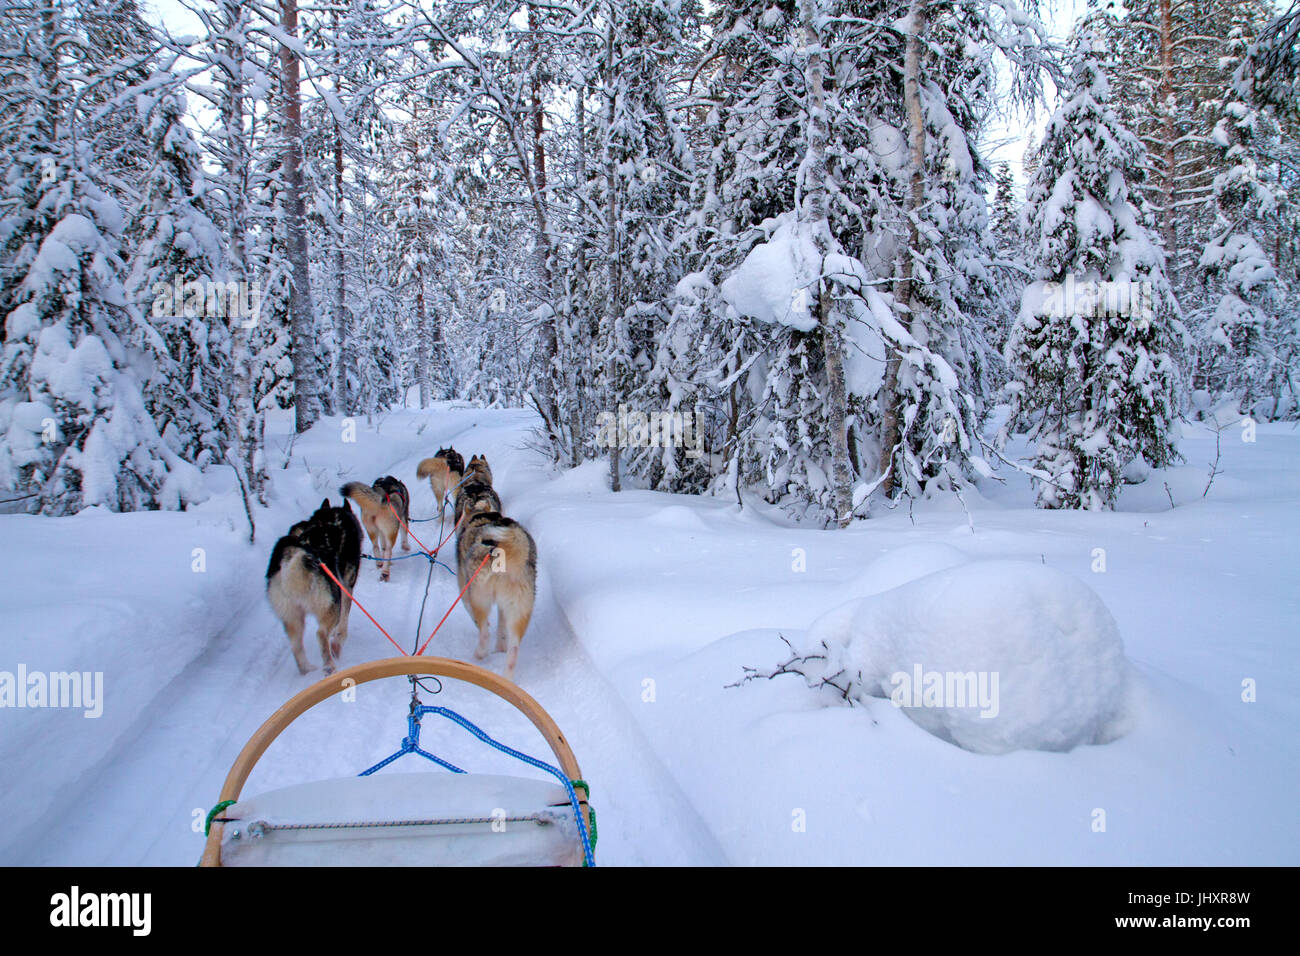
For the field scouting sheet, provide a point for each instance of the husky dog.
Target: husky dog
(478, 466)
(297, 586)
(444, 471)
(508, 580)
(476, 495)
(384, 512)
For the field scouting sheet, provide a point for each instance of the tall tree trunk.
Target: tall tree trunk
(814, 216)
(423, 339)
(248, 420)
(302, 334)
(903, 291)
(574, 316)
(614, 307)
(342, 360)
(1169, 174)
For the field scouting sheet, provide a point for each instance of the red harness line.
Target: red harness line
(455, 602)
(420, 652)
(325, 568)
(408, 530)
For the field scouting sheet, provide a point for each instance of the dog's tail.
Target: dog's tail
(367, 498)
(517, 548)
(295, 557)
(426, 467)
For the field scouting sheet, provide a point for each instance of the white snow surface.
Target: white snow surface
(649, 606)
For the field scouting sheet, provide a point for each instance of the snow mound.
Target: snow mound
(904, 564)
(992, 656)
(677, 516)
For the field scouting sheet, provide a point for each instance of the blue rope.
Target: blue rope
(411, 745)
(405, 557)
(451, 715)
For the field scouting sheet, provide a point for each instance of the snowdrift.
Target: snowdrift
(992, 656)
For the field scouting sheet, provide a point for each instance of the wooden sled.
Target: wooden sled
(411, 819)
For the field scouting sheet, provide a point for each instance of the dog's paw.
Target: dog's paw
(480, 653)
(329, 669)
(406, 546)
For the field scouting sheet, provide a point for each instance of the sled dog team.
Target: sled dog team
(298, 584)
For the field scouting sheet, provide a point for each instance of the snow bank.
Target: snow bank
(992, 656)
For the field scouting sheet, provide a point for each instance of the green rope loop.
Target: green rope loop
(207, 825)
(591, 811)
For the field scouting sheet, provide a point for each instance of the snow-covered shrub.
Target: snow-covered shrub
(992, 656)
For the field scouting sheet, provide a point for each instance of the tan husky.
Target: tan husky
(382, 505)
(478, 466)
(508, 579)
(444, 471)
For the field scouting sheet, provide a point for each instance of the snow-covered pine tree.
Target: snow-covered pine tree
(647, 166)
(1173, 62)
(175, 277)
(72, 410)
(1008, 243)
(1249, 341)
(226, 52)
(1092, 353)
(1006, 212)
(749, 139)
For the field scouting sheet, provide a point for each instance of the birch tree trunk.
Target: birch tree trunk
(1169, 175)
(423, 339)
(236, 161)
(614, 305)
(576, 344)
(813, 214)
(301, 339)
(343, 357)
(903, 291)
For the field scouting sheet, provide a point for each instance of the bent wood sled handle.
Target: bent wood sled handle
(377, 670)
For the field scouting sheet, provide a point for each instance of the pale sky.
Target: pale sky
(1008, 137)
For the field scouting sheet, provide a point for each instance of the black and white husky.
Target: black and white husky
(297, 586)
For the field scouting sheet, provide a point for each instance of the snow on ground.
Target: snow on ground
(649, 608)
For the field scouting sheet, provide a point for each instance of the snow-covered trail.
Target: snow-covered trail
(122, 810)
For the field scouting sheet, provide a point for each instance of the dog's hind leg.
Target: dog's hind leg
(293, 628)
(385, 550)
(480, 611)
(341, 631)
(517, 627)
(501, 629)
(325, 625)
